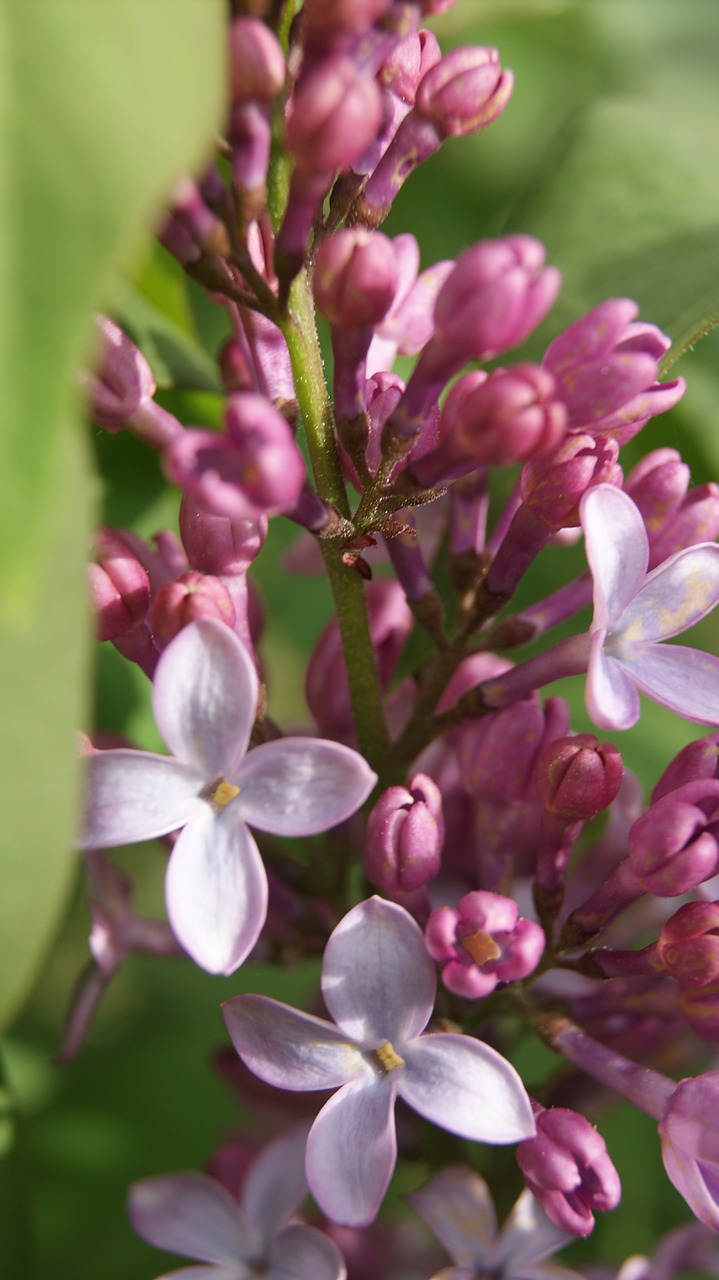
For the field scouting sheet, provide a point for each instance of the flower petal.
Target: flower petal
(682, 679)
(189, 1214)
(216, 890)
(698, 1183)
(276, 1183)
(527, 1236)
(457, 1207)
(135, 795)
(676, 595)
(204, 696)
(304, 1253)
(289, 1049)
(298, 786)
(462, 1085)
(611, 697)
(352, 1150)
(617, 549)
(378, 981)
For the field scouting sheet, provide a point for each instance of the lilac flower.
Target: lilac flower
(634, 611)
(193, 1214)
(204, 696)
(378, 983)
(457, 1206)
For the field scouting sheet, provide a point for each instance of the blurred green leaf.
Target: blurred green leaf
(176, 359)
(98, 114)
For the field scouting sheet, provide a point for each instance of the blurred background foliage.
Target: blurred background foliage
(608, 152)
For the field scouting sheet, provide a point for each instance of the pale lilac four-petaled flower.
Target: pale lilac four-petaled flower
(635, 610)
(204, 698)
(378, 983)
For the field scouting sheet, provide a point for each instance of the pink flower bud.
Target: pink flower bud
(699, 759)
(576, 777)
(498, 753)
(355, 278)
(194, 595)
(465, 91)
(700, 1006)
(688, 945)
(257, 63)
(347, 16)
(405, 833)
(512, 416)
(695, 520)
(215, 544)
(334, 114)
(553, 485)
(483, 942)
(123, 382)
(119, 586)
(567, 1167)
(673, 846)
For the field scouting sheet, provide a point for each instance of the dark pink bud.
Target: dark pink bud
(355, 278)
(696, 519)
(688, 945)
(257, 63)
(123, 382)
(567, 1167)
(405, 833)
(119, 586)
(512, 416)
(553, 485)
(498, 753)
(699, 759)
(334, 114)
(194, 595)
(658, 485)
(673, 846)
(576, 777)
(215, 544)
(351, 16)
(465, 91)
(407, 62)
(483, 942)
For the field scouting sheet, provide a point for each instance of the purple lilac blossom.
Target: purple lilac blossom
(205, 696)
(379, 984)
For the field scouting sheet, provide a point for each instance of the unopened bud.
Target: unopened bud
(405, 833)
(576, 777)
(119, 586)
(567, 1167)
(194, 595)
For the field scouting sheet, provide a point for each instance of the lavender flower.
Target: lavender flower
(378, 983)
(204, 695)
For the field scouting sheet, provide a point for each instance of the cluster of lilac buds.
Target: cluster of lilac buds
(438, 770)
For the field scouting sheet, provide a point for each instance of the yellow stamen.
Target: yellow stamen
(389, 1058)
(221, 792)
(481, 947)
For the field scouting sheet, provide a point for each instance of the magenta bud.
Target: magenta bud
(688, 945)
(553, 485)
(484, 942)
(576, 777)
(699, 759)
(257, 63)
(511, 415)
(352, 17)
(465, 91)
(334, 113)
(123, 382)
(567, 1167)
(355, 278)
(657, 485)
(405, 833)
(194, 595)
(216, 545)
(498, 753)
(673, 846)
(119, 586)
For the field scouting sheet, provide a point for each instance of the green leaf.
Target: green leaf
(176, 360)
(626, 205)
(102, 107)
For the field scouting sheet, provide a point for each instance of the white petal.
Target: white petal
(276, 1183)
(216, 890)
(135, 795)
(617, 549)
(189, 1214)
(462, 1085)
(378, 981)
(528, 1237)
(298, 786)
(611, 697)
(204, 696)
(352, 1150)
(682, 679)
(675, 596)
(304, 1253)
(289, 1049)
(457, 1206)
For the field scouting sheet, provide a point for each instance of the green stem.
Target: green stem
(346, 585)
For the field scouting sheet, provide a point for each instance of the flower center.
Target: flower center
(220, 792)
(481, 947)
(388, 1057)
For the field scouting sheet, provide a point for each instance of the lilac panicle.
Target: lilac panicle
(205, 695)
(634, 611)
(567, 1167)
(405, 834)
(378, 983)
(484, 942)
(456, 1205)
(195, 1215)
